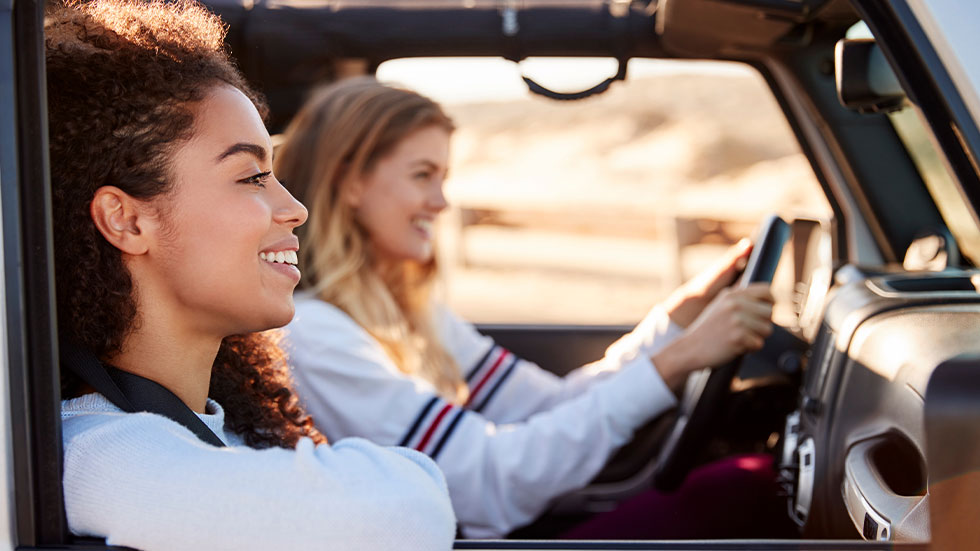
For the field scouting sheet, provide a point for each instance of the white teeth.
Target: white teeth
(422, 224)
(281, 257)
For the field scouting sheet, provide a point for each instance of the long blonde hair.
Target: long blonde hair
(336, 138)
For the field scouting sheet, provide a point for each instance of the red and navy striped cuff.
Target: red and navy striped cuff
(432, 427)
(489, 374)
(437, 419)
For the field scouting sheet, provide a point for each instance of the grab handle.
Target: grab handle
(875, 509)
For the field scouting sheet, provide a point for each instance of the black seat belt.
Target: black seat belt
(132, 393)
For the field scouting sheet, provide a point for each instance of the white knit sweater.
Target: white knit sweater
(144, 481)
(524, 437)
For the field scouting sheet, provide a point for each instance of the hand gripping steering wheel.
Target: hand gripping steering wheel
(707, 389)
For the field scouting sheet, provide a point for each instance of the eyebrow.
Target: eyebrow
(243, 147)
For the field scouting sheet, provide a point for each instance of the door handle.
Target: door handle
(876, 510)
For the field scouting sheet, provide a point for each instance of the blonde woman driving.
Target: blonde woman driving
(375, 357)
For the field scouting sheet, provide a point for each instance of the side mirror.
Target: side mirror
(865, 81)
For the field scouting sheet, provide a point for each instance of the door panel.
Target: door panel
(952, 424)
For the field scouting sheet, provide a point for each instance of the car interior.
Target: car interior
(866, 397)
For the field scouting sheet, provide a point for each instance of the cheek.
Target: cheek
(224, 228)
(380, 210)
(374, 220)
(402, 199)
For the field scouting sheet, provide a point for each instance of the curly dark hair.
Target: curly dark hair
(123, 76)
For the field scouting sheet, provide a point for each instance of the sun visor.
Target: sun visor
(720, 28)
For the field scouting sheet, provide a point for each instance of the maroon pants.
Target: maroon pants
(735, 498)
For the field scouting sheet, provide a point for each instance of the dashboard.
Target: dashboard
(853, 455)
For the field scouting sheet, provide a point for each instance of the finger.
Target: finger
(752, 300)
(757, 308)
(757, 326)
(739, 252)
(737, 256)
(723, 271)
(757, 291)
(758, 288)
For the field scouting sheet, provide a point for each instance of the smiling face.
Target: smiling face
(397, 201)
(225, 258)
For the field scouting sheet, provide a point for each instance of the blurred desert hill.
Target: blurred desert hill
(590, 211)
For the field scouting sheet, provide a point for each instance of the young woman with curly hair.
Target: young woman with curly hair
(174, 250)
(373, 356)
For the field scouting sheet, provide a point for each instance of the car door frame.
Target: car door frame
(34, 443)
(30, 346)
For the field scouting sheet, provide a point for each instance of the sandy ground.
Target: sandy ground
(592, 211)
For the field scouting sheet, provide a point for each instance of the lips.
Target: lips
(424, 225)
(283, 260)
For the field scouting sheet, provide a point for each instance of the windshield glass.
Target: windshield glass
(937, 177)
(614, 200)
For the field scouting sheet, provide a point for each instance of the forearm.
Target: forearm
(503, 476)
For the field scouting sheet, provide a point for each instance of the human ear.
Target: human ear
(118, 217)
(352, 192)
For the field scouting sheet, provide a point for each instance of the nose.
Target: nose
(287, 210)
(437, 200)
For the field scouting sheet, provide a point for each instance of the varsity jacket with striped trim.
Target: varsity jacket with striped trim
(524, 437)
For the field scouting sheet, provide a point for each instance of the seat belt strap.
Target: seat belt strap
(133, 393)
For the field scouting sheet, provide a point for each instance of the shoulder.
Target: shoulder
(126, 448)
(91, 421)
(313, 312)
(323, 338)
(87, 404)
(318, 323)
(448, 322)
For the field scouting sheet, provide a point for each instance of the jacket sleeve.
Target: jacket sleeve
(143, 481)
(506, 389)
(500, 475)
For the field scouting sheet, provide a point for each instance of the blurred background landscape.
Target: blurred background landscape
(592, 211)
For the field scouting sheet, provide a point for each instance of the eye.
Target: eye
(257, 180)
(423, 175)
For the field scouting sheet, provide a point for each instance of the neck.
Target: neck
(383, 267)
(169, 344)
(181, 363)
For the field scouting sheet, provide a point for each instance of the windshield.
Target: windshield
(955, 210)
(615, 200)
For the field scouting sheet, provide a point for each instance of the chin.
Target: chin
(273, 318)
(423, 254)
(282, 319)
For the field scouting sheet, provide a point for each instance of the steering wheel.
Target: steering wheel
(706, 390)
